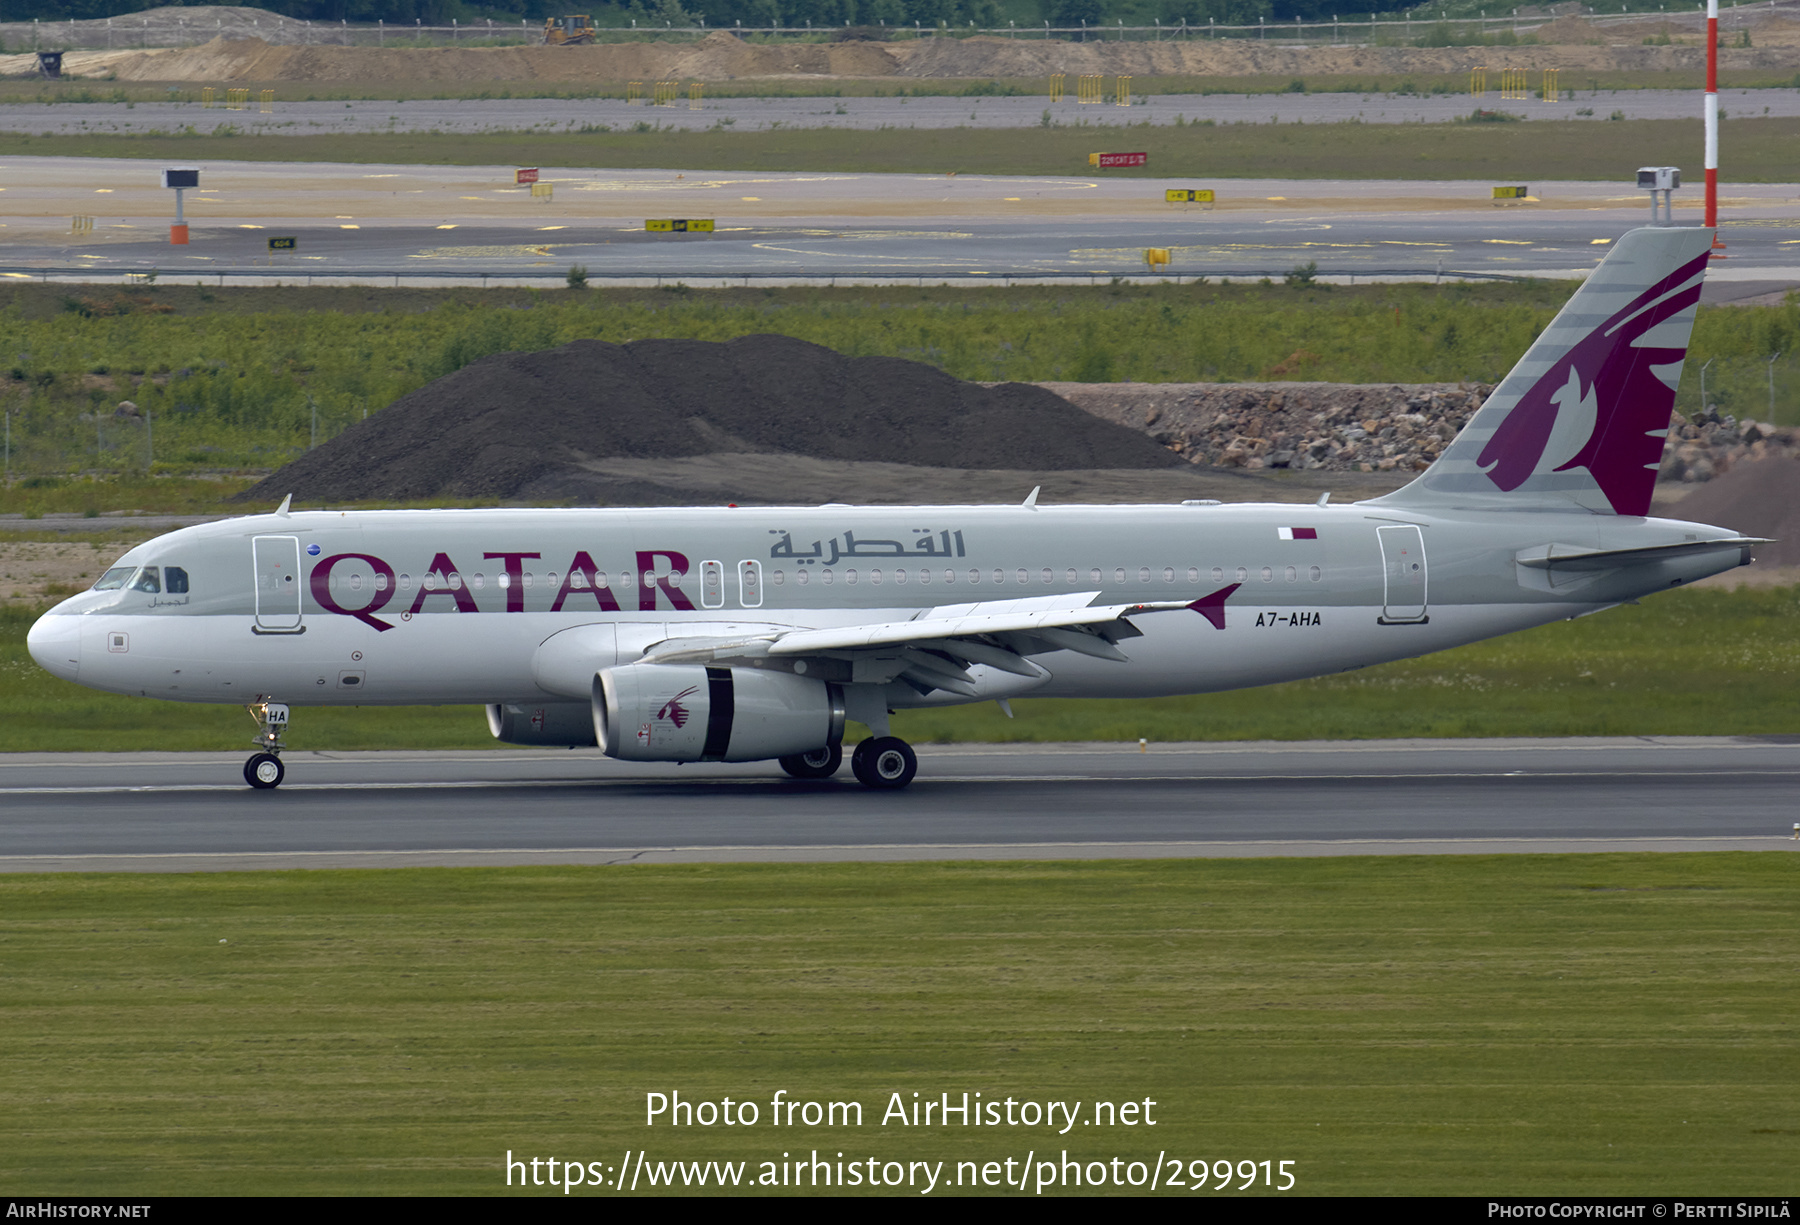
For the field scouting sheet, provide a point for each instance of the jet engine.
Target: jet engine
(690, 712)
(554, 724)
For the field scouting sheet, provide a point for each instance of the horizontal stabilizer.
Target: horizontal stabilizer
(1571, 557)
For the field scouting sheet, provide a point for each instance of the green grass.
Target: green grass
(1568, 1025)
(1697, 663)
(1761, 149)
(231, 377)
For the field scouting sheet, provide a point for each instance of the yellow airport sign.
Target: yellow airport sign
(679, 225)
(1511, 193)
(1177, 195)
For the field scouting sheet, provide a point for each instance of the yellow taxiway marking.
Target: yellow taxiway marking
(1511, 242)
(751, 199)
(1599, 242)
(544, 229)
(349, 227)
(103, 191)
(446, 227)
(249, 227)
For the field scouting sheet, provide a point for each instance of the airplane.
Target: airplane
(738, 634)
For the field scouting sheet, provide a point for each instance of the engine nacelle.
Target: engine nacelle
(690, 712)
(554, 724)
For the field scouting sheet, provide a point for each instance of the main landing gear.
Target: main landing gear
(820, 763)
(264, 770)
(884, 763)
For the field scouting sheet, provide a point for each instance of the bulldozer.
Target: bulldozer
(568, 31)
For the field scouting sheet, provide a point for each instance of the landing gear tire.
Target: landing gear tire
(264, 771)
(820, 763)
(884, 763)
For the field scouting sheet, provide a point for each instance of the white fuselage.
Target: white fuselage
(521, 606)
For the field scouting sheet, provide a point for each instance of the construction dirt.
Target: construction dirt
(1759, 498)
(555, 426)
(282, 50)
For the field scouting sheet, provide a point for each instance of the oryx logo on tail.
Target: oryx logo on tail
(1604, 405)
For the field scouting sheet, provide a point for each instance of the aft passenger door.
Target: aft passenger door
(1403, 574)
(277, 564)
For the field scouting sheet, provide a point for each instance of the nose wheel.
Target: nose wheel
(884, 763)
(264, 770)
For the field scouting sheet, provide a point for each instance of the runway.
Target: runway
(474, 225)
(191, 812)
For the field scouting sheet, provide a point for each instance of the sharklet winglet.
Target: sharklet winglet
(1212, 607)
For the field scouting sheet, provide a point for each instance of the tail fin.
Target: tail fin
(1580, 421)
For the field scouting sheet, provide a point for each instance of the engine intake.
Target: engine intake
(689, 712)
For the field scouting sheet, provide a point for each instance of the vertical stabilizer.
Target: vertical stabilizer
(1580, 421)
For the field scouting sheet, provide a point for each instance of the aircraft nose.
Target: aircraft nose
(55, 642)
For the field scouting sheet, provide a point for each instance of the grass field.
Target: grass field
(237, 378)
(1526, 152)
(1593, 1025)
(1699, 662)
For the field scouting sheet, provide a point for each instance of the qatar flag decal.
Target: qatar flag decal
(1297, 533)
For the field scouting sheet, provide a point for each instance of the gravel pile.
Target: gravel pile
(527, 427)
(1333, 427)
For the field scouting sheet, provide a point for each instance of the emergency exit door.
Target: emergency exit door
(1403, 574)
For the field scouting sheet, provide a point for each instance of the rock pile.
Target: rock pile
(1391, 427)
(1710, 445)
(1335, 427)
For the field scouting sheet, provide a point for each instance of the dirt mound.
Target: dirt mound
(1759, 498)
(537, 426)
(1570, 30)
(721, 56)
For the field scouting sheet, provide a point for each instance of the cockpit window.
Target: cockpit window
(148, 580)
(175, 580)
(115, 578)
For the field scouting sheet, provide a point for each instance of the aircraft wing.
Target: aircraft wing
(934, 649)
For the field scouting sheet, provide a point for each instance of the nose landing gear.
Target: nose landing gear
(264, 770)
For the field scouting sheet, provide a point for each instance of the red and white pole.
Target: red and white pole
(1712, 119)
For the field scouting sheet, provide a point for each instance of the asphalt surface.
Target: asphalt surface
(432, 224)
(545, 115)
(1344, 248)
(187, 812)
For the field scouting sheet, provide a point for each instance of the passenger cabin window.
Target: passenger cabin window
(115, 578)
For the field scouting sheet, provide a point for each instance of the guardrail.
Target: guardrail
(121, 33)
